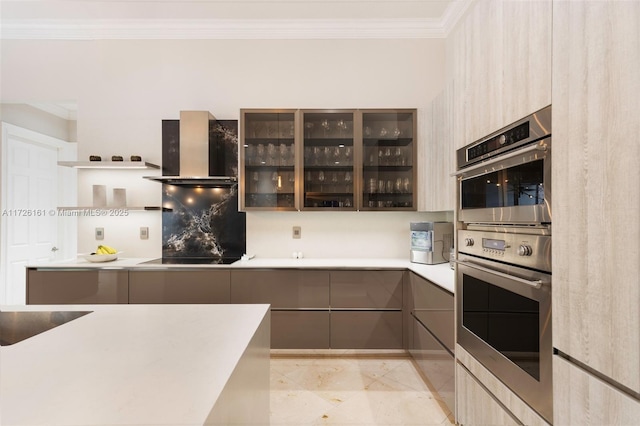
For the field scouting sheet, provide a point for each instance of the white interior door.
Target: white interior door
(30, 193)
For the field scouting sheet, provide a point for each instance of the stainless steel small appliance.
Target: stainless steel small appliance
(506, 176)
(431, 242)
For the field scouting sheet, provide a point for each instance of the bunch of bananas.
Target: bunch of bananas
(102, 249)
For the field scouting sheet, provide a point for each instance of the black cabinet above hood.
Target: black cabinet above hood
(198, 149)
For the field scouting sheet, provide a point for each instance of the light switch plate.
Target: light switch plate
(99, 233)
(297, 232)
(144, 232)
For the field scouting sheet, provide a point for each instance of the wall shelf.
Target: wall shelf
(108, 164)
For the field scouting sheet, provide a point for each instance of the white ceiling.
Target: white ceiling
(230, 19)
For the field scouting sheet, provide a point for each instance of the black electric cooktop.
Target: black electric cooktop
(192, 261)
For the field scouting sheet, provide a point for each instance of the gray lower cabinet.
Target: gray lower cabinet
(432, 335)
(180, 286)
(366, 289)
(366, 309)
(299, 302)
(76, 286)
(300, 329)
(366, 329)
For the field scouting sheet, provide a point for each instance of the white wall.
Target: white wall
(125, 88)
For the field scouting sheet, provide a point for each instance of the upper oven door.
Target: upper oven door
(511, 188)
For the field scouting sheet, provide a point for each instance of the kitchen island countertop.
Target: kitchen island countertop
(139, 364)
(440, 274)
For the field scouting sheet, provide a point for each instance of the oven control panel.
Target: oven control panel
(531, 251)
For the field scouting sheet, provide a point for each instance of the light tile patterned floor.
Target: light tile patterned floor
(352, 390)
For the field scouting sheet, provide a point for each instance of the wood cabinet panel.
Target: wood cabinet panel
(439, 192)
(583, 399)
(81, 286)
(366, 329)
(300, 329)
(466, 405)
(596, 232)
(475, 405)
(499, 57)
(282, 289)
(525, 59)
(366, 289)
(192, 286)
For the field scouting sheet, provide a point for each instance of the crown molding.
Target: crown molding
(66, 111)
(152, 29)
(453, 14)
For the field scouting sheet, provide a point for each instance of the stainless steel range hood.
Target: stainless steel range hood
(198, 150)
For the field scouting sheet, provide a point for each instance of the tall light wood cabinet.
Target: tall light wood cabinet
(500, 61)
(596, 235)
(438, 189)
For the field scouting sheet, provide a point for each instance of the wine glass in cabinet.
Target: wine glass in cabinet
(388, 156)
(268, 159)
(328, 164)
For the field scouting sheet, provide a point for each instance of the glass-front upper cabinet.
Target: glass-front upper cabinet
(268, 160)
(388, 156)
(328, 170)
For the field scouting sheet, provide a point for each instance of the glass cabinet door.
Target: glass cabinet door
(328, 160)
(388, 155)
(268, 160)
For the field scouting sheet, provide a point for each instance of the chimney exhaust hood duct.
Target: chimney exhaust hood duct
(199, 150)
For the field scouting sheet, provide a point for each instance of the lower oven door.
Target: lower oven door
(504, 321)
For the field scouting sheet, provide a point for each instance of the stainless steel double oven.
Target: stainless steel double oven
(503, 282)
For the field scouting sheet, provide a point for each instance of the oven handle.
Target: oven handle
(535, 284)
(534, 147)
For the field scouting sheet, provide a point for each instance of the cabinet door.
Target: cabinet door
(388, 158)
(439, 160)
(366, 289)
(299, 329)
(182, 286)
(583, 399)
(476, 406)
(268, 159)
(328, 160)
(282, 289)
(596, 309)
(75, 287)
(366, 329)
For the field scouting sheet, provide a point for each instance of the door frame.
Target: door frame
(67, 192)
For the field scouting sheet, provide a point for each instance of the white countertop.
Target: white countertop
(126, 364)
(440, 274)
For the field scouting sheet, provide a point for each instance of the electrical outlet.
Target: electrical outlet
(99, 233)
(297, 232)
(144, 232)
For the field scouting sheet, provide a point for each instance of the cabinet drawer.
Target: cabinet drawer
(300, 329)
(366, 330)
(476, 406)
(46, 287)
(206, 286)
(433, 307)
(288, 289)
(435, 362)
(366, 289)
